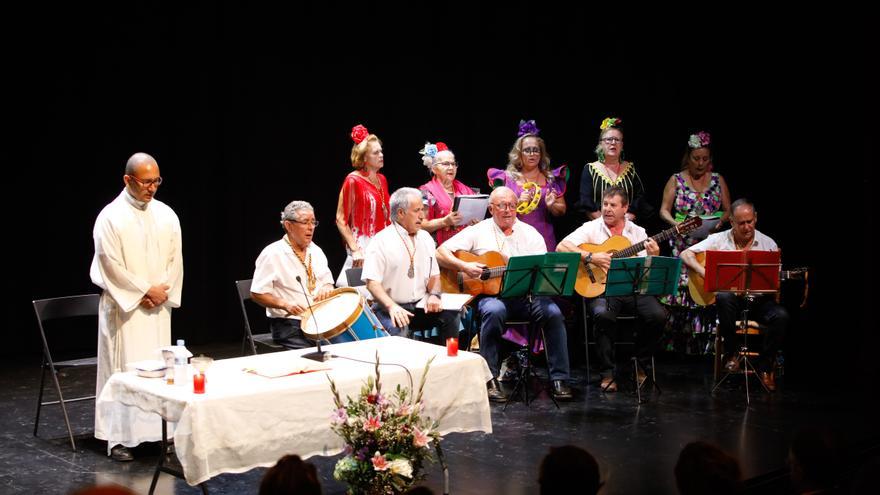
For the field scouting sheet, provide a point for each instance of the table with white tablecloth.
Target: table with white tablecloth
(245, 420)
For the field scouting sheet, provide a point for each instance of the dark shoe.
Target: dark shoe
(769, 380)
(495, 392)
(732, 364)
(509, 369)
(608, 384)
(121, 453)
(561, 390)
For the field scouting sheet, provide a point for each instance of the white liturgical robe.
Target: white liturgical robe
(137, 245)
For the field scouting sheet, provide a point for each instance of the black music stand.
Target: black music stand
(549, 274)
(642, 276)
(748, 274)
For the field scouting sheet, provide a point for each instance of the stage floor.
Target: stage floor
(636, 446)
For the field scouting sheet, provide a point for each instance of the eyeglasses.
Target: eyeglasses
(504, 206)
(531, 151)
(313, 223)
(147, 183)
(611, 140)
(447, 164)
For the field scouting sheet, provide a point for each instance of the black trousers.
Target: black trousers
(765, 311)
(605, 311)
(447, 322)
(287, 332)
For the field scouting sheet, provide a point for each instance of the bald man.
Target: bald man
(138, 263)
(505, 234)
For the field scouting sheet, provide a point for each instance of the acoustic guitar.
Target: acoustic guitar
(591, 279)
(697, 283)
(489, 282)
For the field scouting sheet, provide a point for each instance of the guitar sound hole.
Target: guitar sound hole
(484, 275)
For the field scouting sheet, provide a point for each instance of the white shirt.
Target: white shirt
(723, 241)
(487, 236)
(277, 268)
(596, 232)
(387, 261)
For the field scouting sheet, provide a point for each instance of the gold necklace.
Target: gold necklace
(411, 273)
(310, 274)
(378, 185)
(498, 240)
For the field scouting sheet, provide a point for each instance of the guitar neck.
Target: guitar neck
(635, 248)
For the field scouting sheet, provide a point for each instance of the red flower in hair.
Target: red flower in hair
(359, 133)
(441, 146)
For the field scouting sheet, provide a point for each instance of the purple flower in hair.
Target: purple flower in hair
(527, 127)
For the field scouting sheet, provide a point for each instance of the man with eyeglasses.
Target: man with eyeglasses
(290, 271)
(504, 234)
(138, 263)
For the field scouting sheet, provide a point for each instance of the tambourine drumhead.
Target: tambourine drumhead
(333, 315)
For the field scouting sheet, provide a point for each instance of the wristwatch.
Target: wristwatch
(589, 258)
(435, 294)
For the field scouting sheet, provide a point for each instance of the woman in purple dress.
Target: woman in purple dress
(540, 189)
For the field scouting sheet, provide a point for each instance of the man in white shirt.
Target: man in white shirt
(604, 310)
(505, 234)
(139, 263)
(290, 271)
(742, 236)
(400, 270)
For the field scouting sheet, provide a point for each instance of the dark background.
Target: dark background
(247, 108)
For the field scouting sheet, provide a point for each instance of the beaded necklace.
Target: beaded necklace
(310, 275)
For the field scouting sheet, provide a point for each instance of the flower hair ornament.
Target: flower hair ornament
(359, 133)
(610, 122)
(699, 140)
(430, 151)
(527, 127)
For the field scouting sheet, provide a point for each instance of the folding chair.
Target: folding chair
(54, 309)
(243, 289)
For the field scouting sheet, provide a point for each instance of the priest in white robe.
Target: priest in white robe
(138, 263)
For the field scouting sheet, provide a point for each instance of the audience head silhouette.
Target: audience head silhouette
(704, 469)
(568, 466)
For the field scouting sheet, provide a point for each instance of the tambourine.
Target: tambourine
(526, 207)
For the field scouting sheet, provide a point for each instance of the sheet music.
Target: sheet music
(449, 301)
(471, 207)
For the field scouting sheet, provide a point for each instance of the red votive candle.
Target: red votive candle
(452, 346)
(199, 383)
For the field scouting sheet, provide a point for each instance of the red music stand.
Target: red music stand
(745, 273)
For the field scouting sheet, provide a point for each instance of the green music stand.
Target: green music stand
(642, 276)
(548, 274)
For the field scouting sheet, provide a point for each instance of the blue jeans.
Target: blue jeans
(543, 312)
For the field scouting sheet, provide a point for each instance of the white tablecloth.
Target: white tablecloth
(245, 420)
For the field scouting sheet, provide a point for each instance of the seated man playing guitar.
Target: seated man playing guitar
(504, 234)
(742, 236)
(586, 240)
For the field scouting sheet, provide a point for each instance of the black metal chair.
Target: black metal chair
(243, 289)
(54, 309)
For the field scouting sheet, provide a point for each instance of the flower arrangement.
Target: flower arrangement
(386, 437)
(359, 133)
(527, 127)
(699, 140)
(610, 122)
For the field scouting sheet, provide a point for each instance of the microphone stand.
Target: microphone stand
(318, 355)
